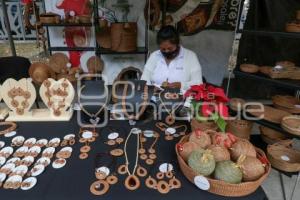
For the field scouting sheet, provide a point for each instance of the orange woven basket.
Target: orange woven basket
(283, 157)
(287, 103)
(220, 187)
(240, 128)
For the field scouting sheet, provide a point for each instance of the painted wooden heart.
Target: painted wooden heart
(57, 95)
(19, 96)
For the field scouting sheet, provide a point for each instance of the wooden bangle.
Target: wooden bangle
(141, 171)
(132, 182)
(152, 151)
(97, 185)
(151, 182)
(160, 175)
(163, 187)
(112, 179)
(169, 174)
(12, 127)
(122, 169)
(174, 183)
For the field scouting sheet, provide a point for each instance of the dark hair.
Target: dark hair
(168, 33)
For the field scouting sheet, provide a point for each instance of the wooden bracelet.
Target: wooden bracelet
(12, 127)
(96, 188)
(163, 187)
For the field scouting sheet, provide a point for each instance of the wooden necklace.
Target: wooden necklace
(149, 155)
(86, 137)
(12, 127)
(104, 179)
(19, 92)
(94, 119)
(170, 119)
(171, 132)
(114, 139)
(132, 182)
(144, 104)
(63, 93)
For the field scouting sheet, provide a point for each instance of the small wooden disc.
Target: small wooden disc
(85, 149)
(141, 171)
(83, 156)
(112, 179)
(149, 162)
(142, 151)
(143, 157)
(122, 169)
(119, 140)
(151, 150)
(117, 152)
(152, 156)
(163, 187)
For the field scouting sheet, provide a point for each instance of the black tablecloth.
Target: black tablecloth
(74, 180)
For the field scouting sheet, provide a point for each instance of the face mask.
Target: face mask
(171, 54)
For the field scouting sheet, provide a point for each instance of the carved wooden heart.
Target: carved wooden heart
(57, 95)
(19, 96)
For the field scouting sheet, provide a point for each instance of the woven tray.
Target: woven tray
(287, 103)
(249, 68)
(270, 114)
(220, 187)
(283, 157)
(271, 136)
(291, 124)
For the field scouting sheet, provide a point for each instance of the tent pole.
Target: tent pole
(7, 24)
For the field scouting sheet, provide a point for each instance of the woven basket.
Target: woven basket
(265, 70)
(287, 103)
(203, 126)
(283, 157)
(298, 15)
(249, 68)
(236, 104)
(291, 124)
(270, 114)
(49, 18)
(124, 37)
(292, 27)
(103, 35)
(220, 187)
(271, 136)
(240, 128)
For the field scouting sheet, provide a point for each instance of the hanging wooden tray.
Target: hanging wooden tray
(269, 114)
(291, 124)
(287, 103)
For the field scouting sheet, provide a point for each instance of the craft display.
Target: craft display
(86, 137)
(132, 182)
(105, 174)
(148, 155)
(164, 181)
(291, 124)
(267, 113)
(240, 128)
(249, 68)
(213, 170)
(284, 157)
(271, 136)
(21, 170)
(287, 103)
(58, 96)
(171, 132)
(207, 107)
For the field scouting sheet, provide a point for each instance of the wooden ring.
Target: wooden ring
(151, 182)
(97, 185)
(117, 152)
(149, 162)
(160, 175)
(152, 156)
(141, 171)
(169, 174)
(119, 140)
(174, 183)
(143, 157)
(122, 169)
(112, 179)
(72, 142)
(85, 149)
(111, 142)
(142, 151)
(132, 182)
(83, 156)
(152, 151)
(163, 187)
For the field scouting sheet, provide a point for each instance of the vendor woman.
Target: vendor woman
(172, 65)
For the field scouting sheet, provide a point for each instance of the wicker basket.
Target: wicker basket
(271, 136)
(249, 68)
(220, 187)
(265, 70)
(203, 126)
(240, 128)
(103, 35)
(287, 103)
(291, 124)
(236, 104)
(49, 18)
(124, 37)
(283, 157)
(269, 114)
